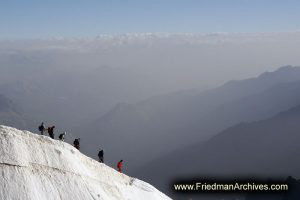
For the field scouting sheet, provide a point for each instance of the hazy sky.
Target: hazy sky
(89, 18)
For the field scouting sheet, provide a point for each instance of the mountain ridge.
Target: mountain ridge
(35, 167)
(265, 148)
(181, 120)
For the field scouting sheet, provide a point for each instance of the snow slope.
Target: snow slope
(34, 167)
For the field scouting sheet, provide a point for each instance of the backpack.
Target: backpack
(76, 142)
(41, 128)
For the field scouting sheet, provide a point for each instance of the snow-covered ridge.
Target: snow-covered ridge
(34, 167)
(110, 42)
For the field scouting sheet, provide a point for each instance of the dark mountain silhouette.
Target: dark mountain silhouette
(294, 189)
(267, 148)
(11, 115)
(293, 192)
(160, 125)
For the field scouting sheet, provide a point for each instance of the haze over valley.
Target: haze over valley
(120, 94)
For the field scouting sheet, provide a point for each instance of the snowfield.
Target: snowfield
(34, 167)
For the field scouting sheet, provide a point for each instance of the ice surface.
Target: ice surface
(34, 167)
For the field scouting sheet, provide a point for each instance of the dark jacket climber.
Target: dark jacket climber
(120, 163)
(62, 136)
(100, 155)
(42, 128)
(77, 143)
(51, 131)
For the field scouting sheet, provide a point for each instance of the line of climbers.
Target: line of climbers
(76, 143)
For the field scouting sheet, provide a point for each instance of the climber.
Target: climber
(120, 166)
(100, 155)
(51, 131)
(76, 143)
(42, 128)
(62, 136)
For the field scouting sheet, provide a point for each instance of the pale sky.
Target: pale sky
(79, 18)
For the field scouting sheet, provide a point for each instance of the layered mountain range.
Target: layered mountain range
(160, 125)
